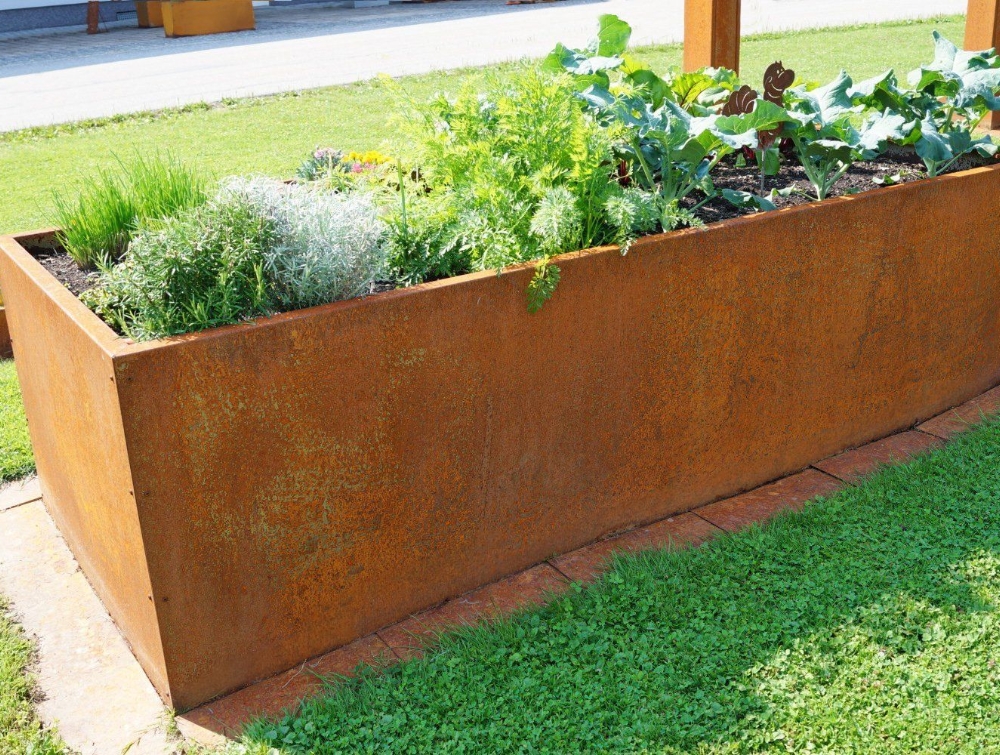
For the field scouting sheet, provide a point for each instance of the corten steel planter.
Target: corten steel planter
(248, 497)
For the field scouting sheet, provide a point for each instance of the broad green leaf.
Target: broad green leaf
(747, 199)
(825, 103)
(561, 59)
(880, 92)
(933, 146)
(878, 130)
(687, 86)
(944, 53)
(741, 130)
(979, 88)
(830, 149)
(597, 96)
(612, 35)
(770, 161)
(643, 76)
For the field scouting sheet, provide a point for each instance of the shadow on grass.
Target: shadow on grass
(868, 622)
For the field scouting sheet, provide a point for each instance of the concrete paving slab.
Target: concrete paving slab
(93, 688)
(68, 76)
(19, 492)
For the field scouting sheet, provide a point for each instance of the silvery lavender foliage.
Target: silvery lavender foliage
(330, 246)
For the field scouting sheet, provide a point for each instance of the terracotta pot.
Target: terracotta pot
(251, 496)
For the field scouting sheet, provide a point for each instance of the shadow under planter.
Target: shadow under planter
(5, 347)
(248, 497)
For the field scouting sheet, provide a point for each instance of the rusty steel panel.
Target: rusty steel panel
(304, 480)
(982, 31)
(64, 364)
(711, 34)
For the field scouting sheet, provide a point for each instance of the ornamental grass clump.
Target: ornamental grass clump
(97, 227)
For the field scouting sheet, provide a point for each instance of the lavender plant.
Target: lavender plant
(328, 246)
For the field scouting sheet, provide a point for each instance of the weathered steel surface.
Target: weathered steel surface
(303, 481)
(711, 34)
(64, 364)
(982, 31)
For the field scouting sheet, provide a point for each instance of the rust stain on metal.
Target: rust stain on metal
(305, 480)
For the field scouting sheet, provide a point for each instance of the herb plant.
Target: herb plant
(200, 270)
(97, 227)
(326, 247)
(514, 173)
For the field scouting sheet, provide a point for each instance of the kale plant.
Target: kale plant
(950, 97)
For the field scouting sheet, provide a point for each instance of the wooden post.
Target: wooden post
(982, 30)
(93, 17)
(712, 34)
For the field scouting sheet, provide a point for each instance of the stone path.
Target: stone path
(66, 76)
(92, 687)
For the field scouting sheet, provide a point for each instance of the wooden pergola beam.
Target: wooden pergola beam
(982, 30)
(712, 34)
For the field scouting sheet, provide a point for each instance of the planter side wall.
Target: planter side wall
(307, 480)
(70, 398)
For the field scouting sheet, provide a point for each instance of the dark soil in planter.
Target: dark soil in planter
(861, 177)
(64, 269)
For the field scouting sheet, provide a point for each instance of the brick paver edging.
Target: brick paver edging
(213, 722)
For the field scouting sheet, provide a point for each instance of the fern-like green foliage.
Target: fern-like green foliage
(543, 284)
(511, 172)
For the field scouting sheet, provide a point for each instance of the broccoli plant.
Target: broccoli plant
(955, 91)
(667, 132)
(824, 136)
(950, 97)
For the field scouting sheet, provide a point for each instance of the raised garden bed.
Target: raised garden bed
(250, 496)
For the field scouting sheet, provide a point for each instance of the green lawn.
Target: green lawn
(15, 447)
(271, 135)
(868, 623)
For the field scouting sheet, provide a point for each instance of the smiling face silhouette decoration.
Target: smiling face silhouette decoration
(777, 79)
